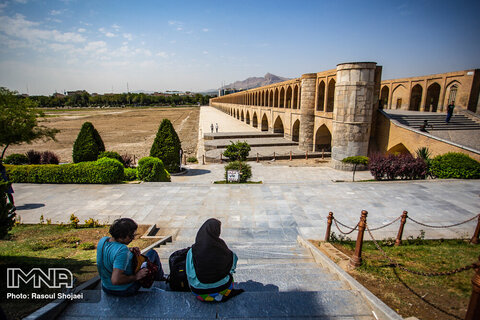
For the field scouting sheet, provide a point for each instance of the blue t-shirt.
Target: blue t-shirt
(115, 255)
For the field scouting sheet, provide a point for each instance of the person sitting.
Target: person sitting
(114, 260)
(210, 264)
(425, 125)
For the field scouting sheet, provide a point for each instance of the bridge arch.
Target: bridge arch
(323, 139)
(384, 97)
(278, 125)
(295, 97)
(398, 148)
(433, 95)
(270, 99)
(264, 123)
(331, 95)
(238, 114)
(288, 97)
(296, 131)
(321, 96)
(255, 120)
(247, 120)
(399, 97)
(242, 117)
(416, 97)
(275, 98)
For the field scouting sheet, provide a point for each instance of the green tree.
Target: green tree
(88, 145)
(356, 161)
(166, 146)
(237, 151)
(18, 121)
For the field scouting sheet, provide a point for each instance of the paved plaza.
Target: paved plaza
(290, 201)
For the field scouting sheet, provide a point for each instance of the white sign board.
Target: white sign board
(233, 176)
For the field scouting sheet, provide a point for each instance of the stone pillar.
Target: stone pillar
(307, 112)
(353, 109)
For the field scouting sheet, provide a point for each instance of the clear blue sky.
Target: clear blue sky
(49, 46)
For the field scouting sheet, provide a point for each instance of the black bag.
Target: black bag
(177, 279)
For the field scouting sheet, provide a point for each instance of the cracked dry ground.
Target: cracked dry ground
(127, 130)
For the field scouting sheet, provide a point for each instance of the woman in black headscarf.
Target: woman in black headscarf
(210, 264)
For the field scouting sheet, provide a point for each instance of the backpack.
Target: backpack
(152, 268)
(177, 279)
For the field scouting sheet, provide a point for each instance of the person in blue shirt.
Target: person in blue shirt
(210, 265)
(114, 260)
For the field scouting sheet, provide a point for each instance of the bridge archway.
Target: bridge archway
(296, 131)
(242, 117)
(399, 97)
(270, 99)
(238, 114)
(323, 139)
(433, 94)
(384, 97)
(295, 97)
(264, 123)
(451, 92)
(247, 120)
(288, 98)
(398, 149)
(255, 120)
(416, 98)
(321, 96)
(278, 126)
(275, 98)
(331, 95)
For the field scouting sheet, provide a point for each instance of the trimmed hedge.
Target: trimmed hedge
(16, 158)
(88, 144)
(130, 174)
(455, 165)
(104, 170)
(237, 151)
(166, 146)
(244, 168)
(151, 169)
(111, 155)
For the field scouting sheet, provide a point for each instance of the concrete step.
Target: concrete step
(332, 304)
(253, 142)
(240, 135)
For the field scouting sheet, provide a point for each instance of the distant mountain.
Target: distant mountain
(254, 82)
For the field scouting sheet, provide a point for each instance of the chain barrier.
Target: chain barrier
(425, 274)
(351, 229)
(384, 226)
(441, 227)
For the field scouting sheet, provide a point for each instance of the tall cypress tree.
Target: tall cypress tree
(166, 146)
(88, 144)
(7, 218)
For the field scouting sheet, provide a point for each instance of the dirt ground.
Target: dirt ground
(127, 130)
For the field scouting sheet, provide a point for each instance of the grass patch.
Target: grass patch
(443, 297)
(42, 245)
(248, 182)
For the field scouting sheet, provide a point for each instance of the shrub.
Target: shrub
(244, 168)
(130, 174)
(92, 223)
(16, 159)
(127, 161)
(88, 144)
(7, 216)
(403, 166)
(237, 151)
(74, 221)
(151, 169)
(111, 155)
(49, 157)
(34, 157)
(192, 159)
(166, 146)
(104, 170)
(362, 160)
(455, 165)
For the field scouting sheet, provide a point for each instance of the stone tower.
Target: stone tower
(354, 105)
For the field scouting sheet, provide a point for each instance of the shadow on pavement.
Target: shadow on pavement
(30, 206)
(196, 172)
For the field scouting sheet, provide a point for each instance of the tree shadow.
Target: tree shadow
(251, 285)
(422, 298)
(30, 206)
(196, 172)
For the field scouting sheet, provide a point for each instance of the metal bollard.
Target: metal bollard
(257, 156)
(221, 160)
(474, 239)
(306, 155)
(290, 155)
(356, 260)
(323, 153)
(398, 241)
(185, 159)
(329, 226)
(203, 159)
(273, 155)
(473, 311)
